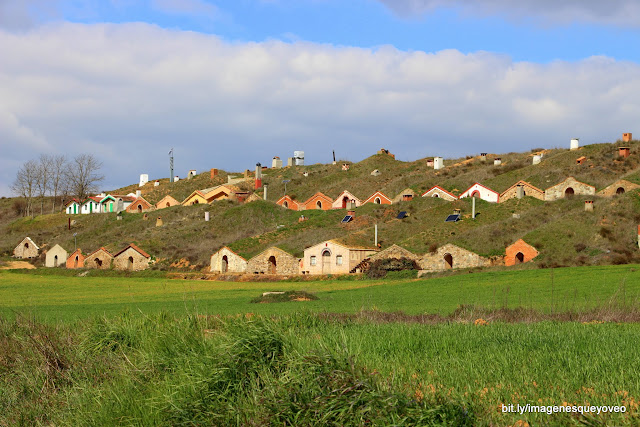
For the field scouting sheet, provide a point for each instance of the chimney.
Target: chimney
(265, 192)
(520, 191)
(575, 144)
(588, 205)
(497, 161)
(258, 176)
(639, 236)
(351, 213)
(624, 152)
(206, 216)
(483, 157)
(627, 137)
(214, 172)
(138, 193)
(159, 222)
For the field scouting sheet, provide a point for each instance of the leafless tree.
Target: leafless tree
(25, 184)
(43, 180)
(57, 182)
(83, 175)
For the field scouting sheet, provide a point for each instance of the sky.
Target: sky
(230, 83)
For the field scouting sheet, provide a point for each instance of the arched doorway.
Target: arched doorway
(272, 265)
(476, 194)
(620, 190)
(285, 204)
(436, 195)
(345, 200)
(168, 204)
(195, 202)
(26, 246)
(139, 208)
(568, 193)
(55, 261)
(75, 262)
(130, 263)
(318, 204)
(519, 258)
(98, 262)
(326, 261)
(225, 264)
(448, 261)
(377, 201)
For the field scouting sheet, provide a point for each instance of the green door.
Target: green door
(75, 208)
(111, 207)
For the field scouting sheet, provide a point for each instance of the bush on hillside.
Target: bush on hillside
(380, 267)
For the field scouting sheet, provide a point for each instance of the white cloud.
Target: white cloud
(198, 8)
(129, 92)
(611, 12)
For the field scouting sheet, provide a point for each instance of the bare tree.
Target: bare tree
(83, 175)
(57, 182)
(25, 184)
(45, 164)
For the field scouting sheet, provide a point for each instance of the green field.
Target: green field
(107, 350)
(64, 297)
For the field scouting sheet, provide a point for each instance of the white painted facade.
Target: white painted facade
(482, 192)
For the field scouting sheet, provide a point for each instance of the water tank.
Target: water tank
(299, 158)
(575, 144)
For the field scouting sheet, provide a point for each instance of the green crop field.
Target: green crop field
(109, 349)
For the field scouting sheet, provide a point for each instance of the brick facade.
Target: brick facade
(273, 261)
(519, 252)
(227, 261)
(288, 203)
(378, 198)
(75, 260)
(451, 256)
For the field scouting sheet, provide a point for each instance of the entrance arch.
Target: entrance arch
(272, 265)
(569, 192)
(377, 201)
(139, 208)
(476, 194)
(448, 261)
(130, 264)
(620, 190)
(318, 204)
(98, 262)
(345, 200)
(55, 261)
(75, 262)
(285, 204)
(225, 264)
(326, 261)
(519, 258)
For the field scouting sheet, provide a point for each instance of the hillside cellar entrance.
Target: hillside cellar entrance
(225, 264)
(55, 261)
(345, 200)
(319, 204)
(75, 262)
(326, 261)
(130, 264)
(448, 261)
(98, 262)
(620, 190)
(272, 264)
(377, 201)
(568, 193)
(519, 258)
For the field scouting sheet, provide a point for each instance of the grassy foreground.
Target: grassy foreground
(310, 370)
(64, 297)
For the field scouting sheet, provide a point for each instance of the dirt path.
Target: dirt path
(13, 265)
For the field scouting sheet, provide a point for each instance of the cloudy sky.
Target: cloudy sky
(233, 82)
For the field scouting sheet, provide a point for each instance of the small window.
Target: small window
(313, 260)
(338, 259)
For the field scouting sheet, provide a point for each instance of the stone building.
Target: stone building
(482, 192)
(405, 195)
(273, 261)
(288, 203)
(521, 189)
(568, 188)
(227, 261)
(379, 198)
(332, 257)
(166, 202)
(318, 201)
(75, 260)
(619, 187)
(131, 258)
(451, 256)
(26, 249)
(439, 192)
(346, 200)
(395, 252)
(56, 256)
(100, 259)
(139, 205)
(519, 252)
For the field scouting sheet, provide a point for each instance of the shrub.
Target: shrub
(579, 247)
(379, 268)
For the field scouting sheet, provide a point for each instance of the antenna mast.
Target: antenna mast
(171, 165)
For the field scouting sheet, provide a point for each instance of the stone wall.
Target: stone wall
(460, 258)
(100, 260)
(558, 191)
(528, 253)
(614, 188)
(52, 261)
(137, 262)
(285, 263)
(395, 251)
(529, 190)
(26, 249)
(235, 263)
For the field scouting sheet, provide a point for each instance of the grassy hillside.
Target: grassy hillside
(561, 230)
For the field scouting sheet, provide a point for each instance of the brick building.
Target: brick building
(75, 260)
(379, 198)
(519, 252)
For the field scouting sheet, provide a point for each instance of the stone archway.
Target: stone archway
(448, 261)
(75, 262)
(273, 265)
(620, 190)
(98, 262)
(225, 264)
(130, 264)
(285, 204)
(569, 192)
(326, 261)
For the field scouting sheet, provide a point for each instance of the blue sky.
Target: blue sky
(272, 76)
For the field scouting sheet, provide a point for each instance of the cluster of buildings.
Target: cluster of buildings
(333, 257)
(131, 258)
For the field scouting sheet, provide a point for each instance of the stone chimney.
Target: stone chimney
(588, 205)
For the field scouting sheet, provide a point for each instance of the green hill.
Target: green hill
(563, 232)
